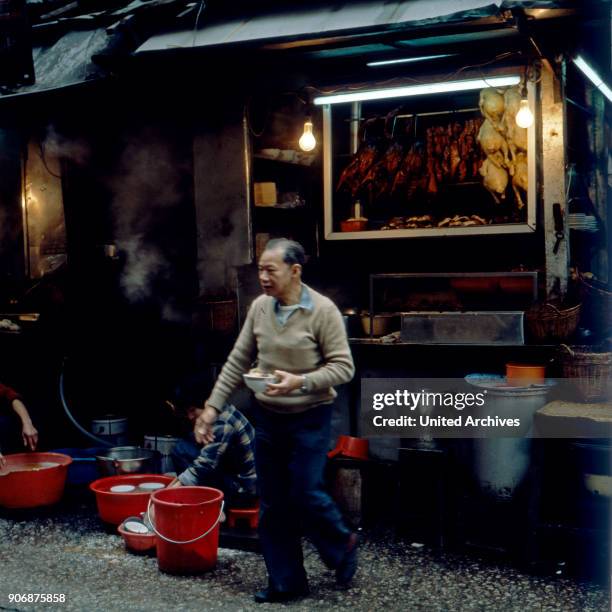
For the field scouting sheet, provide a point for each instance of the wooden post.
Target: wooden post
(553, 182)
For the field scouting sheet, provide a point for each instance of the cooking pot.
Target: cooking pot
(127, 460)
(111, 428)
(382, 323)
(164, 445)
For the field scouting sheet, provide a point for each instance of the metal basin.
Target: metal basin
(127, 460)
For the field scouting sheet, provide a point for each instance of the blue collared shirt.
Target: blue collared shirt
(284, 312)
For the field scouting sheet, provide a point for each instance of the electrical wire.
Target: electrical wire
(448, 77)
(247, 112)
(197, 20)
(41, 147)
(69, 414)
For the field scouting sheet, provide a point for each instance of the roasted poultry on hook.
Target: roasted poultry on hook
(516, 136)
(491, 104)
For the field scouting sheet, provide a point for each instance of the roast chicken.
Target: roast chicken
(493, 144)
(519, 178)
(504, 143)
(495, 179)
(491, 104)
(380, 176)
(352, 176)
(516, 136)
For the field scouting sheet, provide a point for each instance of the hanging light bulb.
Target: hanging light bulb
(524, 116)
(307, 140)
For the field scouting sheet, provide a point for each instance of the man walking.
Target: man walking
(299, 335)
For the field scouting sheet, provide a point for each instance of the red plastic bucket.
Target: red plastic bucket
(186, 521)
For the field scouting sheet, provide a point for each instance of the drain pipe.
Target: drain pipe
(99, 441)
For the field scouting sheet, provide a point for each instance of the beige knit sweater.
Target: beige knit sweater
(312, 343)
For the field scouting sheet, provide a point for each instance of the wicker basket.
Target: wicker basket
(591, 371)
(549, 322)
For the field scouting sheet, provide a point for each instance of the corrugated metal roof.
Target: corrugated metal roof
(315, 21)
(65, 63)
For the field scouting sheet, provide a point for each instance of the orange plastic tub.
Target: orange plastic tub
(116, 507)
(30, 480)
(520, 374)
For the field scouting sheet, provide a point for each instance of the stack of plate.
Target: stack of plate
(582, 222)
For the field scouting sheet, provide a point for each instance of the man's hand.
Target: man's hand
(287, 383)
(175, 483)
(202, 429)
(2, 462)
(29, 434)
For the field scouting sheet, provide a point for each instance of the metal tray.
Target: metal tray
(475, 327)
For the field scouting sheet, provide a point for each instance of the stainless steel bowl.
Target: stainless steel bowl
(127, 460)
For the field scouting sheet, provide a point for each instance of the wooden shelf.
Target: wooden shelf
(282, 161)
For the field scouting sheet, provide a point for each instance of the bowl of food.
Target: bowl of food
(257, 380)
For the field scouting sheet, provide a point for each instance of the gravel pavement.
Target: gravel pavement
(67, 551)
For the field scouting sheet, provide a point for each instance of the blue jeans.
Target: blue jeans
(290, 456)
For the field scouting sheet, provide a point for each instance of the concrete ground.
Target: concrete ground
(66, 550)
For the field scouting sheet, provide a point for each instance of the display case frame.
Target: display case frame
(331, 233)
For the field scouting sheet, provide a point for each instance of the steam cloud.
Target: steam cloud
(74, 149)
(146, 184)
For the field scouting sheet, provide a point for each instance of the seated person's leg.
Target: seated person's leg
(235, 495)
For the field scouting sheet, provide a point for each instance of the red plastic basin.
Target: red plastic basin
(115, 507)
(26, 483)
(137, 542)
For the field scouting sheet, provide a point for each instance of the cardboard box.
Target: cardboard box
(265, 194)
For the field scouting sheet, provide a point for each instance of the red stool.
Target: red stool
(249, 515)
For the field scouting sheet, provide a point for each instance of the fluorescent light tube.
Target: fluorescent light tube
(588, 71)
(408, 60)
(417, 90)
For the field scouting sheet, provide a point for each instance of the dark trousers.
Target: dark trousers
(183, 455)
(290, 456)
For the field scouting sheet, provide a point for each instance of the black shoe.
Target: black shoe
(348, 565)
(272, 596)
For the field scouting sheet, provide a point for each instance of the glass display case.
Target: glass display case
(429, 162)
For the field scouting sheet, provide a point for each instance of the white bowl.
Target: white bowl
(258, 383)
(122, 488)
(135, 526)
(151, 486)
(288, 155)
(270, 153)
